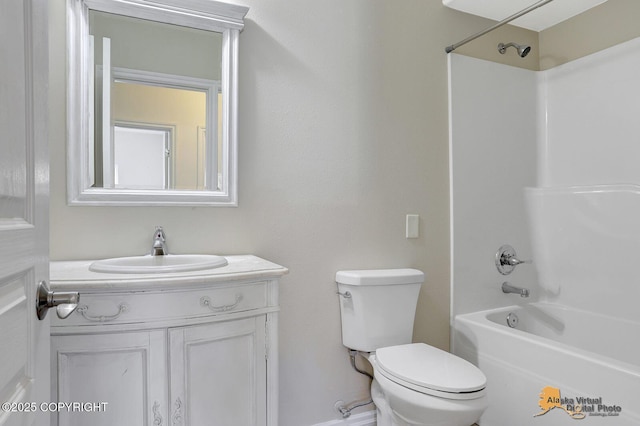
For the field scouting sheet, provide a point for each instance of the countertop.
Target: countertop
(76, 276)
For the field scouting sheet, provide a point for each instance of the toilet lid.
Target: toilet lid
(428, 367)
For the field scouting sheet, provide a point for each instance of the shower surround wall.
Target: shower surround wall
(493, 128)
(593, 108)
(583, 204)
(591, 142)
(587, 131)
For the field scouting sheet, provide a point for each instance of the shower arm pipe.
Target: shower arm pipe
(534, 6)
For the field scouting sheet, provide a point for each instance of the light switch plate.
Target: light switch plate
(413, 226)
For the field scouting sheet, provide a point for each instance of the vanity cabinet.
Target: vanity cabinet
(188, 350)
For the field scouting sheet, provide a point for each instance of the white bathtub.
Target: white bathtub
(582, 354)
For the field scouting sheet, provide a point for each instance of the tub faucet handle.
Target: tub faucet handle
(507, 260)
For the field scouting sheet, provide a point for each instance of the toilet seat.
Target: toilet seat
(431, 371)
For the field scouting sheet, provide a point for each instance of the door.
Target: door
(141, 156)
(24, 186)
(123, 374)
(218, 373)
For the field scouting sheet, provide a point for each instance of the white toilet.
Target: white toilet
(415, 384)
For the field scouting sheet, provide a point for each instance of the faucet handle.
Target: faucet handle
(158, 233)
(514, 261)
(159, 247)
(506, 259)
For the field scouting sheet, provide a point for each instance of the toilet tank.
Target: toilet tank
(378, 306)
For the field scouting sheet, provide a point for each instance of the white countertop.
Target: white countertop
(76, 276)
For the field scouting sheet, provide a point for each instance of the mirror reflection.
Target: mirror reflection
(157, 116)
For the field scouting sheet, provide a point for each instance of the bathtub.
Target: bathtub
(577, 354)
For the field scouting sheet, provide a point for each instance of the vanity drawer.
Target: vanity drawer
(160, 306)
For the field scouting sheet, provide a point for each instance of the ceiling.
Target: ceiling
(537, 20)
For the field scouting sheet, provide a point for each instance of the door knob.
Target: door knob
(65, 302)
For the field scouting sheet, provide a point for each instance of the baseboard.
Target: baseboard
(368, 418)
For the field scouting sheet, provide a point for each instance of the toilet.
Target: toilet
(414, 383)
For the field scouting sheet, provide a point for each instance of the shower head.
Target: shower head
(523, 50)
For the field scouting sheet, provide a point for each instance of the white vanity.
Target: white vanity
(191, 348)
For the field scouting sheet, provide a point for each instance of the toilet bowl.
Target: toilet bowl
(414, 383)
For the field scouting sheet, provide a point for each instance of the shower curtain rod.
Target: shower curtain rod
(534, 6)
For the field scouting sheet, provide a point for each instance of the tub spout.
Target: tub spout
(508, 288)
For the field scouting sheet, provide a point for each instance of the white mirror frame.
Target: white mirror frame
(205, 15)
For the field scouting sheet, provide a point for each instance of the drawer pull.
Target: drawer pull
(122, 308)
(206, 301)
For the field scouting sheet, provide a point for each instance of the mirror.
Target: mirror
(157, 86)
(152, 102)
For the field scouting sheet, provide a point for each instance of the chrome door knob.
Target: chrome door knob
(65, 302)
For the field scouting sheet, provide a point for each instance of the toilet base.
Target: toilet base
(383, 411)
(399, 406)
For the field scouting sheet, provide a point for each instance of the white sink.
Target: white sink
(158, 264)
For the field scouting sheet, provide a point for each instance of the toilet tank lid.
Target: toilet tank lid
(380, 276)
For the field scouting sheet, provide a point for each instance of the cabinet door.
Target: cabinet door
(127, 371)
(218, 374)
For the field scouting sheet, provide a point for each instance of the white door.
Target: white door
(141, 157)
(24, 187)
(218, 373)
(124, 373)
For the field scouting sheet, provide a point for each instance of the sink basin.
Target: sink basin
(166, 264)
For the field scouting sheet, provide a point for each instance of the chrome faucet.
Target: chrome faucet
(506, 259)
(159, 247)
(508, 288)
